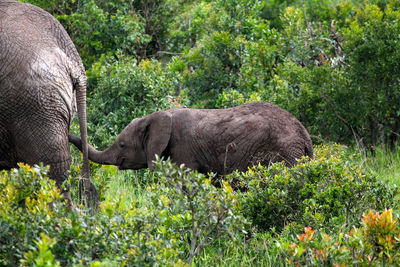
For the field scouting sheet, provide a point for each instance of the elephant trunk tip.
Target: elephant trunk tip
(101, 157)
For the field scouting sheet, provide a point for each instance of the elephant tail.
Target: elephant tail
(80, 87)
(89, 196)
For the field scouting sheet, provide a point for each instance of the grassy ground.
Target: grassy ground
(127, 186)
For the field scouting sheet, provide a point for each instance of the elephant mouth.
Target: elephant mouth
(126, 164)
(121, 164)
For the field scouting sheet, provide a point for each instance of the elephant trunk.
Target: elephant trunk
(102, 157)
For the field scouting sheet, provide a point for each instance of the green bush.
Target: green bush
(225, 46)
(222, 62)
(191, 25)
(315, 10)
(43, 255)
(372, 47)
(25, 194)
(197, 213)
(328, 192)
(32, 231)
(328, 66)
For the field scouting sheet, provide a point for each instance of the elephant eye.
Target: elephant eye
(122, 145)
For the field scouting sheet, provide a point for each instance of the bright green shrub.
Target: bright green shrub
(191, 25)
(34, 232)
(316, 10)
(372, 47)
(225, 46)
(101, 29)
(222, 62)
(339, 78)
(183, 215)
(25, 194)
(214, 65)
(43, 256)
(196, 213)
(328, 191)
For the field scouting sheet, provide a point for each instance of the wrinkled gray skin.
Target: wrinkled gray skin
(41, 74)
(217, 140)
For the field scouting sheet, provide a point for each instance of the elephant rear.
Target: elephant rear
(290, 139)
(277, 135)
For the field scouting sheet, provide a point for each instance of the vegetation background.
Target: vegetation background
(334, 64)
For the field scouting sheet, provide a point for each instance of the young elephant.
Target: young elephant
(209, 140)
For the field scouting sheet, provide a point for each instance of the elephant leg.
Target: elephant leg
(266, 158)
(6, 150)
(59, 171)
(292, 153)
(49, 145)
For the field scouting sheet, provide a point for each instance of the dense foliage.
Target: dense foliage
(327, 192)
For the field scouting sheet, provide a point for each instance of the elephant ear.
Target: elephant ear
(157, 135)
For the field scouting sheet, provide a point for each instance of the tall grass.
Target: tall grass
(125, 186)
(386, 164)
(256, 251)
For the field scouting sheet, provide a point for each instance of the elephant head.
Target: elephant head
(136, 146)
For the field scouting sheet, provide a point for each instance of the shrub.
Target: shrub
(328, 192)
(184, 214)
(373, 53)
(25, 194)
(328, 66)
(34, 232)
(43, 255)
(192, 24)
(223, 62)
(197, 213)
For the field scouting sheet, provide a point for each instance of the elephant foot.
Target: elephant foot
(68, 202)
(5, 165)
(88, 195)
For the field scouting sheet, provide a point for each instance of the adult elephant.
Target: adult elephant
(42, 83)
(209, 140)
